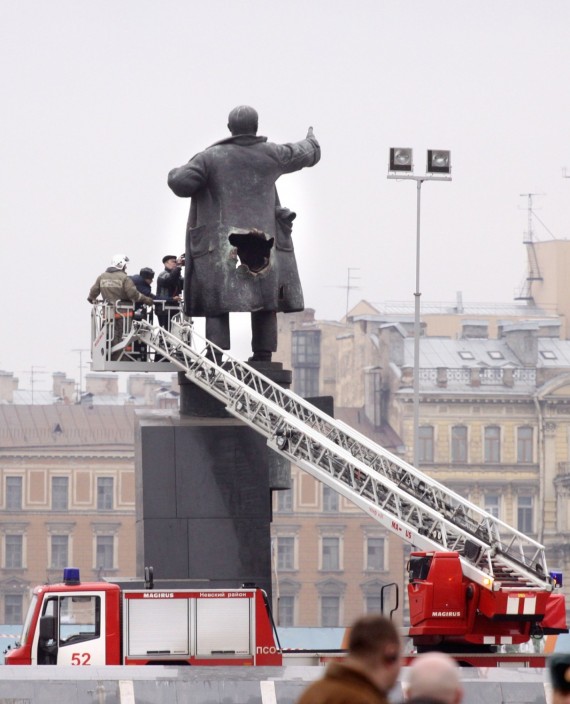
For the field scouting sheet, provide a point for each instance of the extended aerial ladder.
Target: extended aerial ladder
(504, 572)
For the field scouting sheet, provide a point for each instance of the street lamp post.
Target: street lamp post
(401, 166)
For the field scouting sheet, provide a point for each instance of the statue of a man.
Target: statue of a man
(239, 252)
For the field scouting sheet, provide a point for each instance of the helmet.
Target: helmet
(119, 260)
(146, 273)
(243, 120)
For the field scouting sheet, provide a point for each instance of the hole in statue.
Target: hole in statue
(253, 249)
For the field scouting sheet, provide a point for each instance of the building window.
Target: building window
(59, 493)
(492, 504)
(306, 361)
(525, 522)
(285, 553)
(105, 493)
(330, 611)
(14, 553)
(306, 381)
(59, 551)
(524, 444)
(492, 444)
(372, 604)
(13, 611)
(425, 440)
(104, 552)
(285, 501)
(330, 554)
(330, 500)
(459, 444)
(13, 493)
(306, 348)
(375, 556)
(286, 611)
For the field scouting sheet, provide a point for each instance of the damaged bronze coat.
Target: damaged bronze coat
(232, 186)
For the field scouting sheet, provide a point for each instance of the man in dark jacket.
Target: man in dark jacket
(235, 213)
(168, 289)
(143, 281)
(369, 671)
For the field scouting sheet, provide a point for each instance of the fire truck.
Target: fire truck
(104, 623)
(475, 583)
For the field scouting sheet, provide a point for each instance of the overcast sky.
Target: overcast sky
(101, 99)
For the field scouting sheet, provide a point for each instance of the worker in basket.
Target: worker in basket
(117, 288)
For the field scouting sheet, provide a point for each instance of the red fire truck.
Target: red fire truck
(101, 623)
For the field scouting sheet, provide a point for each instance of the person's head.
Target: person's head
(169, 261)
(374, 644)
(559, 668)
(147, 274)
(434, 676)
(119, 261)
(243, 120)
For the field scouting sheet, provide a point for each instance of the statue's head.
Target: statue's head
(243, 120)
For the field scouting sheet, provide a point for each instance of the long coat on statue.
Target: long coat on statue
(239, 251)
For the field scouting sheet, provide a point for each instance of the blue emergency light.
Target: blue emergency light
(71, 575)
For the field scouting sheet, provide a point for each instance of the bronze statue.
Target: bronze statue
(239, 251)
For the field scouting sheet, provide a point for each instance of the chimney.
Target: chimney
(8, 384)
(459, 305)
(393, 335)
(57, 380)
(475, 329)
(475, 379)
(508, 377)
(549, 328)
(63, 387)
(151, 388)
(522, 339)
(136, 384)
(102, 384)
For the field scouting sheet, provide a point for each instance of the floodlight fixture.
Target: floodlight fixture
(438, 161)
(401, 159)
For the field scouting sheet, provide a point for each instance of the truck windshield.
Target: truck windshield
(28, 621)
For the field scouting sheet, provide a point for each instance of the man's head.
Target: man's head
(243, 120)
(374, 645)
(434, 676)
(147, 274)
(559, 668)
(169, 261)
(119, 261)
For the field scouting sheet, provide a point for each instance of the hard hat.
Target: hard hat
(119, 260)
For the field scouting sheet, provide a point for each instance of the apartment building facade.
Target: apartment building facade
(67, 489)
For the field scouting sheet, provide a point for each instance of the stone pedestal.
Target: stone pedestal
(203, 484)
